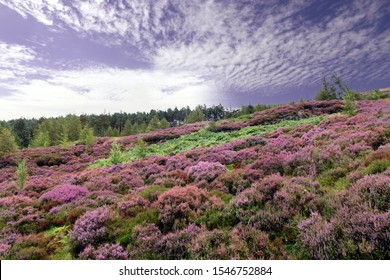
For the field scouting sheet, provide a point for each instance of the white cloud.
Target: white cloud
(106, 90)
(202, 47)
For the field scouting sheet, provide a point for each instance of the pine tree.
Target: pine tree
(87, 136)
(154, 123)
(21, 174)
(195, 116)
(164, 123)
(7, 141)
(72, 127)
(127, 129)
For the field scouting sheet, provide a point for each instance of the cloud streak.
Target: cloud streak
(213, 46)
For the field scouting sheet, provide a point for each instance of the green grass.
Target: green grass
(204, 139)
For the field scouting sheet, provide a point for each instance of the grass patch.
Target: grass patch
(377, 166)
(202, 139)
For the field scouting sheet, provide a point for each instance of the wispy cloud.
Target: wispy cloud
(212, 46)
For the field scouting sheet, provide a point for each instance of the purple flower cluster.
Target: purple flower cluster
(65, 194)
(206, 171)
(104, 252)
(91, 228)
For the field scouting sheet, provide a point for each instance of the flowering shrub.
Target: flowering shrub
(319, 236)
(104, 252)
(209, 245)
(146, 238)
(179, 203)
(206, 171)
(373, 190)
(90, 228)
(65, 194)
(132, 205)
(175, 245)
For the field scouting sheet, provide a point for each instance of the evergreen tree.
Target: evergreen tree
(164, 123)
(140, 150)
(154, 124)
(195, 116)
(136, 128)
(7, 141)
(72, 128)
(87, 136)
(21, 174)
(127, 129)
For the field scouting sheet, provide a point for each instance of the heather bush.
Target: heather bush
(368, 231)
(373, 190)
(104, 252)
(235, 181)
(65, 194)
(254, 242)
(210, 245)
(31, 247)
(132, 205)
(31, 223)
(91, 228)
(178, 204)
(319, 237)
(207, 171)
(146, 238)
(175, 245)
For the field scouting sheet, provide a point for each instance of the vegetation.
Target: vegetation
(21, 174)
(309, 180)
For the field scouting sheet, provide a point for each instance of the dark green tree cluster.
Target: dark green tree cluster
(332, 89)
(84, 129)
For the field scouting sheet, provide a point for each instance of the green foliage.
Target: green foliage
(21, 174)
(164, 123)
(333, 89)
(72, 127)
(201, 139)
(124, 227)
(211, 126)
(349, 102)
(87, 136)
(375, 95)
(140, 150)
(154, 124)
(7, 141)
(195, 116)
(127, 129)
(152, 192)
(377, 166)
(49, 133)
(115, 154)
(111, 132)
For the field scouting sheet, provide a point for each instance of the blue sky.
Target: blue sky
(94, 56)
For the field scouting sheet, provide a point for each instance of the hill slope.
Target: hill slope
(294, 182)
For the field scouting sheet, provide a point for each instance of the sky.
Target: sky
(61, 57)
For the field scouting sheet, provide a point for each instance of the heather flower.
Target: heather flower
(4, 249)
(65, 194)
(319, 236)
(104, 252)
(374, 190)
(132, 205)
(178, 203)
(146, 237)
(91, 227)
(206, 171)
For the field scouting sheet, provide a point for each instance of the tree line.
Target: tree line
(45, 132)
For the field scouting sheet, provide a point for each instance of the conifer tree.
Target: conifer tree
(7, 141)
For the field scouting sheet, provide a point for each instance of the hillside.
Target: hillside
(302, 181)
